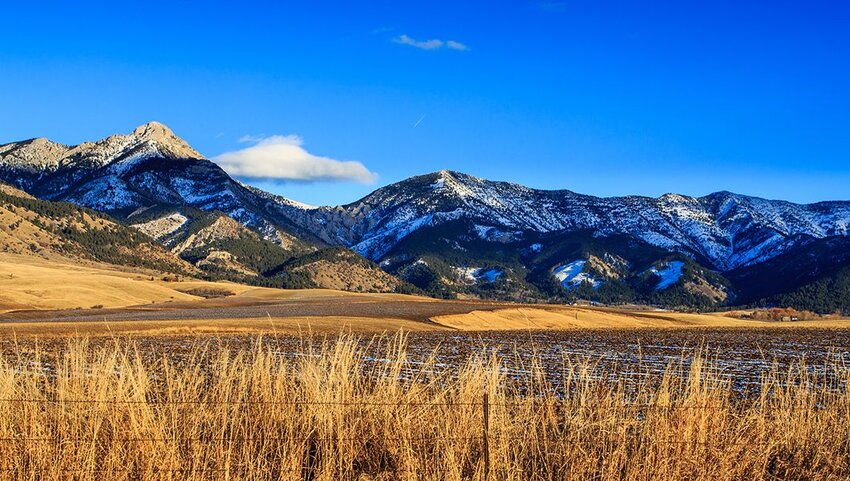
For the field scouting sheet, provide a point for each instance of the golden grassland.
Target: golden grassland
(207, 327)
(28, 283)
(108, 413)
(558, 317)
(527, 318)
(521, 318)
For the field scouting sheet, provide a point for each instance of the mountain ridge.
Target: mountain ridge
(715, 215)
(724, 232)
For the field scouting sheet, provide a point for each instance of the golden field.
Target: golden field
(519, 318)
(27, 282)
(107, 413)
(96, 384)
(41, 297)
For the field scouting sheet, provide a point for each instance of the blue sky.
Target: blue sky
(600, 98)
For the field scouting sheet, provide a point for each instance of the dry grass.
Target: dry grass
(112, 414)
(553, 317)
(207, 327)
(519, 319)
(31, 283)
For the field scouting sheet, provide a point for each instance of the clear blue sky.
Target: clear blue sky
(604, 98)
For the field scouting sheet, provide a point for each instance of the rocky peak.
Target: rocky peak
(163, 140)
(154, 131)
(149, 140)
(33, 153)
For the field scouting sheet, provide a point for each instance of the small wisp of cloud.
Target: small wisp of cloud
(250, 139)
(433, 44)
(283, 158)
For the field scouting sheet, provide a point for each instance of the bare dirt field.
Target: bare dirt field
(268, 311)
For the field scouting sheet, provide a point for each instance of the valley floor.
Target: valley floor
(42, 297)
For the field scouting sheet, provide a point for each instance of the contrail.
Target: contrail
(418, 121)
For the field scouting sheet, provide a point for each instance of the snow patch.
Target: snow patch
(483, 231)
(479, 274)
(105, 194)
(494, 234)
(162, 227)
(572, 275)
(670, 274)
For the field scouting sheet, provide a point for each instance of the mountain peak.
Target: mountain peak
(164, 141)
(33, 153)
(153, 130)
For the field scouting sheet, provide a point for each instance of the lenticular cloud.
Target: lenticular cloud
(283, 157)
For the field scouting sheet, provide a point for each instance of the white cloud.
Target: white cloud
(456, 45)
(282, 157)
(433, 44)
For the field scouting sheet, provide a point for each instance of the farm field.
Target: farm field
(633, 405)
(33, 283)
(740, 355)
(41, 297)
(199, 380)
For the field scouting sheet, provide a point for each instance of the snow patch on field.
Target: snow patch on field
(670, 274)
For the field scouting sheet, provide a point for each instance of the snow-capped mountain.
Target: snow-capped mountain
(726, 230)
(429, 228)
(127, 174)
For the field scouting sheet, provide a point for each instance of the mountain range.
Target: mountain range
(449, 233)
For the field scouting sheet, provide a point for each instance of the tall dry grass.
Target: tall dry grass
(110, 413)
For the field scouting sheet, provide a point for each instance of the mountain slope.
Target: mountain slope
(336, 268)
(152, 166)
(447, 233)
(147, 168)
(416, 227)
(724, 230)
(61, 230)
(812, 261)
(213, 241)
(828, 294)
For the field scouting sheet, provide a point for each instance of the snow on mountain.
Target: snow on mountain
(152, 166)
(573, 275)
(163, 227)
(32, 155)
(727, 230)
(494, 234)
(669, 274)
(479, 274)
